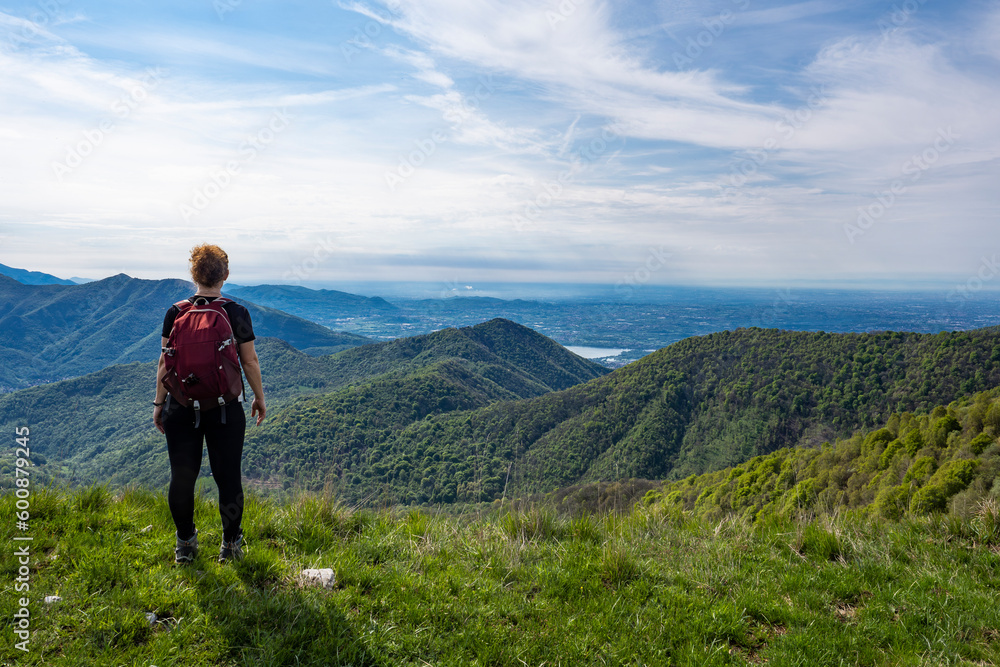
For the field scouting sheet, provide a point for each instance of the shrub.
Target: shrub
(890, 451)
(980, 443)
(876, 441)
(914, 442)
(920, 469)
(652, 496)
(942, 428)
(801, 497)
(891, 502)
(950, 478)
(930, 498)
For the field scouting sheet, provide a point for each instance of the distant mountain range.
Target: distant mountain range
(52, 332)
(33, 277)
(328, 307)
(98, 427)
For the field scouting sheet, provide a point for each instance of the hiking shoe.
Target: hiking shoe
(231, 550)
(186, 550)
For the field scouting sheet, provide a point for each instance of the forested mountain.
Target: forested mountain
(694, 406)
(51, 332)
(98, 427)
(469, 415)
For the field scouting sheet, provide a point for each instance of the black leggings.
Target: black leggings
(225, 451)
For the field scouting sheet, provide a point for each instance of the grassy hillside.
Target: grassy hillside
(948, 459)
(51, 332)
(653, 587)
(98, 427)
(701, 404)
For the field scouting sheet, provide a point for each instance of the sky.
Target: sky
(715, 142)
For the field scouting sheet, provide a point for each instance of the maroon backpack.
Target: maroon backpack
(202, 364)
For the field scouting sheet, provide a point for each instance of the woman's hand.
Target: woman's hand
(158, 418)
(257, 408)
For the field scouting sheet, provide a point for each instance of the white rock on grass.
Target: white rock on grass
(323, 577)
(49, 599)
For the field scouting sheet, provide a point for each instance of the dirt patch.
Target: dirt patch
(845, 612)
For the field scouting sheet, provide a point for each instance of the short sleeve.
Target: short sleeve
(168, 320)
(239, 317)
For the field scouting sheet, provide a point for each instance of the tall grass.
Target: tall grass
(523, 586)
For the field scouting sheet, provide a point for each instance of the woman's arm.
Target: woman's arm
(251, 367)
(161, 391)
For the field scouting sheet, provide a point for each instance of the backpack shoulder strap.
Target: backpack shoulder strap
(217, 305)
(182, 307)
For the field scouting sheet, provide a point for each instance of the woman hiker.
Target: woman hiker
(220, 420)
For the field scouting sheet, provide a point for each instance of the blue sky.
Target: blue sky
(711, 142)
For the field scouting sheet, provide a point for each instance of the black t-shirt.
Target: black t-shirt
(239, 318)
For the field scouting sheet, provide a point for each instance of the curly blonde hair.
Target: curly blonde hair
(209, 264)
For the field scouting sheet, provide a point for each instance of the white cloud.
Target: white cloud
(552, 82)
(582, 62)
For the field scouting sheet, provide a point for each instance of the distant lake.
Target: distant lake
(595, 352)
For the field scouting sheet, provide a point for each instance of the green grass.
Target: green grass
(653, 587)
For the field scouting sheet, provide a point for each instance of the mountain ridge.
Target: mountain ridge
(51, 332)
(27, 277)
(98, 422)
(494, 410)
(691, 407)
